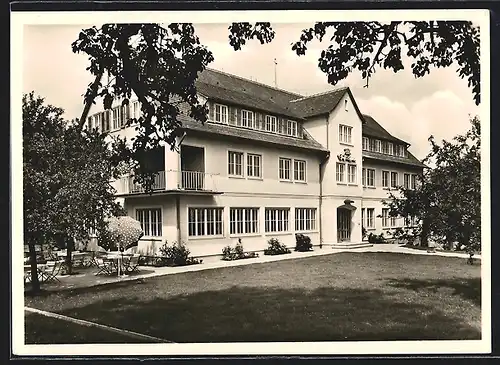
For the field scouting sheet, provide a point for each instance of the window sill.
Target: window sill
(244, 235)
(346, 144)
(151, 238)
(371, 229)
(267, 234)
(196, 238)
(307, 232)
(369, 187)
(352, 184)
(255, 178)
(235, 177)
(300, 182)
(286, 181)
(341, 183)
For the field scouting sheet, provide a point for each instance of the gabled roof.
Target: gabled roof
(305, 143)
(372, 129)
(318, 104)
(221, 86)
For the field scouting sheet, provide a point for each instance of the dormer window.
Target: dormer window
(247, 119)
(271, 124)
(378, 145)
(220, 114)
(291, 129)
(390, 149)
(366, 144)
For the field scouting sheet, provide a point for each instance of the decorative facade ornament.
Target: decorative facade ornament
(346, 156)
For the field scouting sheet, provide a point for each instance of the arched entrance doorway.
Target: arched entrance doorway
(344, 221)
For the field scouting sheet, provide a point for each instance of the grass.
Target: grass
(346, 296)
(40, 329)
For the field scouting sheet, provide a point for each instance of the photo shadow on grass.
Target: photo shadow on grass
(467, 288)
(256, 314)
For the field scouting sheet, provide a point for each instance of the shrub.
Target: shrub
(302, 243)
(175, 255)
(275, 247)
(236, 253)
(373, 238)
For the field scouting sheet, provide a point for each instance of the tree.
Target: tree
(366, 46)
(161, 64)
(448, 199)
(66, 180)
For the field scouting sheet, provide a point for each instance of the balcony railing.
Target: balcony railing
(170, 180)
(158, 183)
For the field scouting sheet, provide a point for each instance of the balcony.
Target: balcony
(170, 181)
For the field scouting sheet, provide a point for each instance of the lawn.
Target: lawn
(342, 297)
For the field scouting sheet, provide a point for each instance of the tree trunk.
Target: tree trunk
(69, 252)
(424, 235)
(35, 283)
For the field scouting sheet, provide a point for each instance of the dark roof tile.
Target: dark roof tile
(410, 160)
(372, 129)
(318, 104)
(306, 143)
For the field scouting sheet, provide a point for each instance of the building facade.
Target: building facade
(267, 164)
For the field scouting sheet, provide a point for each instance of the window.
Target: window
(136, 111)
(368, 177)
(254, 165)
(271, 124)
(384, 147)
(340, 172)
(385, 217)
(285, 165)
(402, 151)
(345, 134)
(291, 128)
(385, 179)
(106, 121)
(243, 220)
(378, 145)
(247, 119)
(370, 216)
(205, 222)
(98, 121)
(372, 145)
(235, 163)
(151, 222)
(394, 179)
(366, 144)
(393, 221)
(220, 114)
(305, 219)
(345, 105)
(413, 182)
(407, 181)
(351, 174)
(277, 219)
(299, 170)
(390, 146)
(117, 118)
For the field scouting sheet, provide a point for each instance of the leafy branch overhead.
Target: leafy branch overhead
(158, 64)
(366, 46)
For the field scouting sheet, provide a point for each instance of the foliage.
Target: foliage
(66, 176)
(374, 238)
(366, 46)
(236, 253)
(363, 232)
(302, 243)
(157, 64)
(175, 255)
(275, 247)
(448, 197)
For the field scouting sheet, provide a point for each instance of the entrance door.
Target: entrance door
(343, 225)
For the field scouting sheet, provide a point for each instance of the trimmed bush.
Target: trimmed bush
(275, 247)
(229, 253)
(374, 238)
(302, 243)
(175, 255)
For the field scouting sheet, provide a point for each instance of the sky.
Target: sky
(412, 109)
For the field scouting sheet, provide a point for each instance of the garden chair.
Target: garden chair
(27, 274)
(51, 270)
(132, 265)
(105, 266)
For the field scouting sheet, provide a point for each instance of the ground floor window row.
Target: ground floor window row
(368, 219)
(204, 221)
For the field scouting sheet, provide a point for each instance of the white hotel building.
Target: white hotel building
(268, 164)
